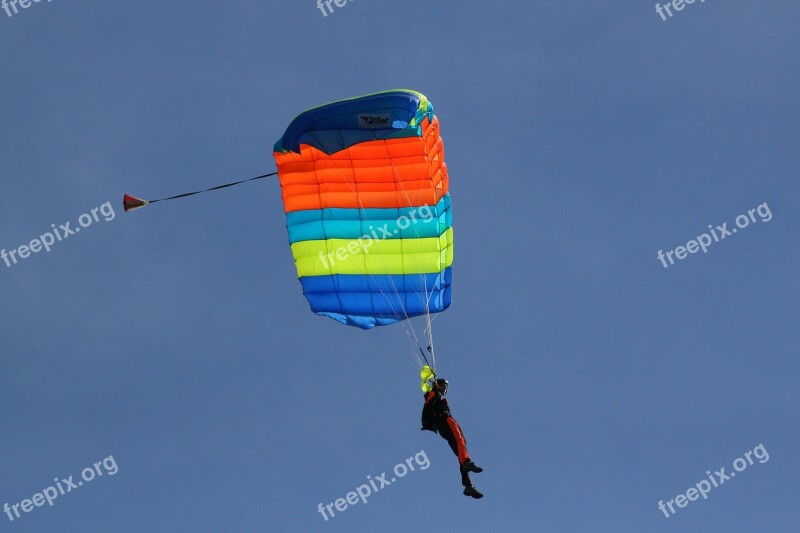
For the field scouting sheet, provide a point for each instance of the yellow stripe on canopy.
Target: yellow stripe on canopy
(373, 257)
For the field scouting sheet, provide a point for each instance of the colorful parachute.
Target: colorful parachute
(365, 190)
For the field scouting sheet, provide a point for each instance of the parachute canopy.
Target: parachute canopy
(365, 190)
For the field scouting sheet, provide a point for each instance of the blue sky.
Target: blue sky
(581, 139)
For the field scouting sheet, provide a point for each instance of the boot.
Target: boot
(469, 466)
(469, 490)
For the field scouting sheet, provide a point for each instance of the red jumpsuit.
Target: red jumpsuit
(436, 417)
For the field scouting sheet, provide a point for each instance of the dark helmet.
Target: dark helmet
(441, 384)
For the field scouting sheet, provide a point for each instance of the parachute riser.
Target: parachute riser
(426, 360)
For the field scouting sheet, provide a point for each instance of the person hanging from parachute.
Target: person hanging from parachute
(436, 417)
(365, 190)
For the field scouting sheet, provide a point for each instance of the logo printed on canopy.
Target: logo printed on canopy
(372, 122)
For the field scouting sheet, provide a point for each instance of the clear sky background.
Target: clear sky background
(582, 137)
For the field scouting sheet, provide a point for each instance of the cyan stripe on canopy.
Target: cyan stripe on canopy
(337, 223)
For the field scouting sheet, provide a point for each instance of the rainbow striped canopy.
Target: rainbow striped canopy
(365, 190)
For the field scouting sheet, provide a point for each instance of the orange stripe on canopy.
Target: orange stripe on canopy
(390, 173)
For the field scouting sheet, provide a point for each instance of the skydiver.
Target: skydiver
(436, 417)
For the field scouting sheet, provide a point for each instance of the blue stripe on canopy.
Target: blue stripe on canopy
(369, 301)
